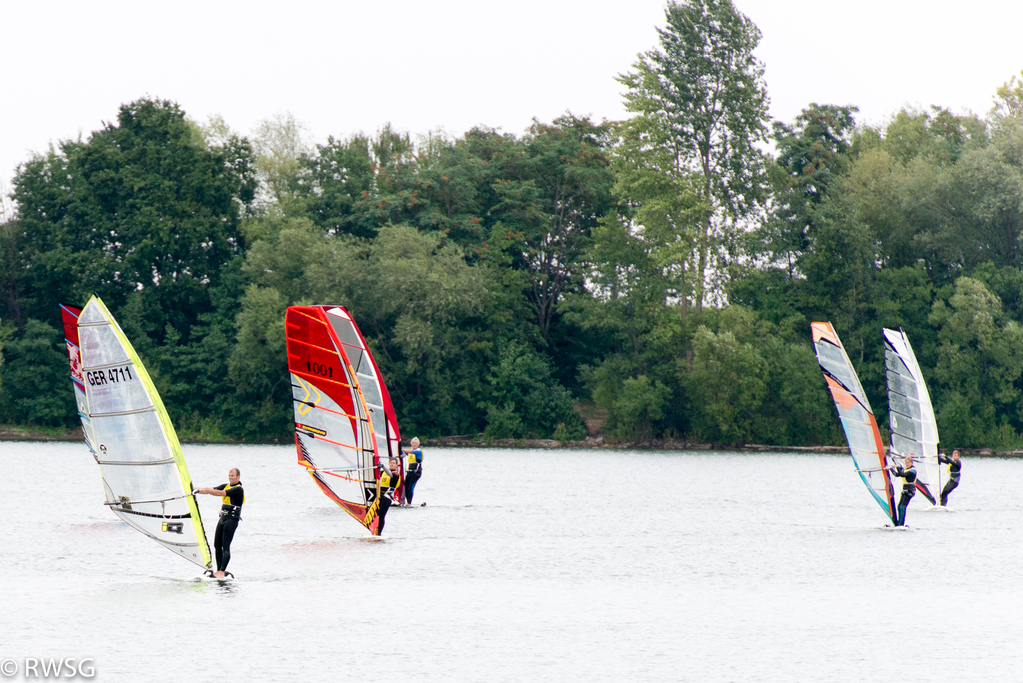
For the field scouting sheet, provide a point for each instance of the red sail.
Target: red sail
(333, 433)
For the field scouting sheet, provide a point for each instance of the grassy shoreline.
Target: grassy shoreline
(16, 433)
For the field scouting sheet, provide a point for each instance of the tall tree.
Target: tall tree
(812, 155)
(279, 143)
(142, 206)
(702, 95)
(334, 180)
(553, 190)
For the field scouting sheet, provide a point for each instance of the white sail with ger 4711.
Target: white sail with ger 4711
(145, 480)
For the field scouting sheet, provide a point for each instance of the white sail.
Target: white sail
(910, 414)
(145, 479)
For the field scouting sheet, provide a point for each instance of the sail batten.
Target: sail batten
(126, 424)
(857, 418)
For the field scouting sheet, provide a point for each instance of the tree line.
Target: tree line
(663, 269)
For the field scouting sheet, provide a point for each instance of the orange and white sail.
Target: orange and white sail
(861, 432)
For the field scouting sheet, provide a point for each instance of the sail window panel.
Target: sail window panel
(142, 482)
(329, 456)
(905, 445)
(348, 488)
(317, 409)
(92, 313)
(860, 436)
(365, 367)
(867, 466)
(854, 413)
(895, 363)
(111, 390)
(904, 405)
(842, 372)
(338, 428)
(905, 426)
(165, 503)
(377, 420)
(365, 428)
(81, 401)
(345, 331)
(830, 352)
(100, 346)
(354, 354)
(371, 392)
(308, 395)
(866, 462)
(174, 502)
(902, 385)
(393, 447)
(382, 448)
(131, 438)
(834, 365)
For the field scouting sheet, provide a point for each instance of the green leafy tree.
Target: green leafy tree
(552, 188)
(524, 400)
(142, 206)
(703, 96)
(1009, 99)
(34, 377)
(727, 382)
(980, 361)
(812, 155)
(333, 181)
(280, 144)
(258, 368)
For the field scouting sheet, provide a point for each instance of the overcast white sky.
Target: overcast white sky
(342, 66)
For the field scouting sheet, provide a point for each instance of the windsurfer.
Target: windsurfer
(388, 480)
(415, 468)
(954, 467)
(233, 495)
(908, 474)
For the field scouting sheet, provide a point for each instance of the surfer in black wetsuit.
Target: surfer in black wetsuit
(233, 495)
(908, 474)
(415, 469)
(954, 466)
(388, 480)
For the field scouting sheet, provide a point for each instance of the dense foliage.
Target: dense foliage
(659, 273)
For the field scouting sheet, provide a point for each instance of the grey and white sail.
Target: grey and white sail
(910, 413)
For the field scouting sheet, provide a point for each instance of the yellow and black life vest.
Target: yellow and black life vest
(226, 500)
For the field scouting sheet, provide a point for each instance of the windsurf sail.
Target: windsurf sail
(334, 435)
(127, 428)
(911, 416)
(861, 432)
(374, 391)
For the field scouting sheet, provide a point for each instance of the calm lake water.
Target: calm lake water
(524, 566)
